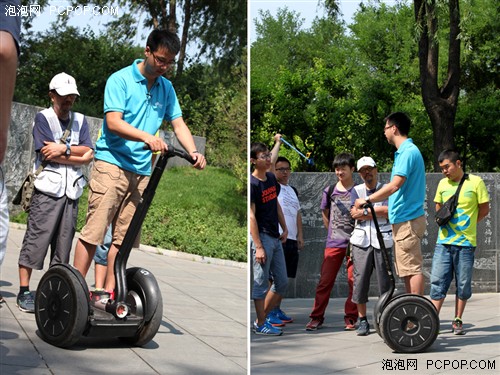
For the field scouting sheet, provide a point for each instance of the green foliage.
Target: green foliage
(214, 101)
(329, 90)
(220, 27)
(216, 108)
(197, 212)
(88, 58)
(477, 124)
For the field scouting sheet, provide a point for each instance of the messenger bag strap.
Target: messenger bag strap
(464, 177)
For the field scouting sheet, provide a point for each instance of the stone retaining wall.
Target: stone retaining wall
(20, 153)
(310, 186)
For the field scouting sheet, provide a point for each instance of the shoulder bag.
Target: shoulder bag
(25, 193)
(447, 210)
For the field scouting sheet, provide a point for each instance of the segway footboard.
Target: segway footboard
(409, 323)
(62, 306)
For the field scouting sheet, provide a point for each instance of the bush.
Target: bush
(197, 212)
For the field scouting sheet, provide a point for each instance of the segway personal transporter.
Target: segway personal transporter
(408, 323)
(64, 312)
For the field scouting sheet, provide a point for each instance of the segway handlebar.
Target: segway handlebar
(137, 220)
(174, 151)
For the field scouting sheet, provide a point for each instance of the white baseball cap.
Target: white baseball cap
(64, 84)
(366, 161)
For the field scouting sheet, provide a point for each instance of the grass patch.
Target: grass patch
(197, 212)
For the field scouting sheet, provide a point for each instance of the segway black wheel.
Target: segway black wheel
(61, 307)
(144, 284)
(409, 324)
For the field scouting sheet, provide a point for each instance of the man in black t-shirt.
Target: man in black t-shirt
(265, 239)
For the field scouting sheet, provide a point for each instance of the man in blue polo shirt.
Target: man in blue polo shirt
(406, 193)
(136, 101)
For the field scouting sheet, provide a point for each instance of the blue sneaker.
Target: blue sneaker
(267, 329)
(280, 314)
(273, 319)
(26, 302)
(363, 328)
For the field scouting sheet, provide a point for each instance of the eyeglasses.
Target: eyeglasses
(388, 127)
(283, 170)
(265, 156)
(162, 62)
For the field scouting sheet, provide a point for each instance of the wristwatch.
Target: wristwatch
(68, 149)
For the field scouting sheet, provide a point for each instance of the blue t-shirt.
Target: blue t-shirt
(127, 92)
(408, 202)
(42, 132)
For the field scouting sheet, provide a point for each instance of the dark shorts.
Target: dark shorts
(51, 222)
(291, 251)
(366, 260)
(9, 21)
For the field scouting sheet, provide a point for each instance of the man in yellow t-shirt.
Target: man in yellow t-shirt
(456, 243)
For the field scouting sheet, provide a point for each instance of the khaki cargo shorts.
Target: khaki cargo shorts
(114, 195)
(407, 246)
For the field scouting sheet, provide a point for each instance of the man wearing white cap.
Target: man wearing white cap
(54, 206)
(366, 250)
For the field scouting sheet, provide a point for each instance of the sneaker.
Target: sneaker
(314, 324)
(350, 324)
(99, 294)
(267, 329)
(274, 320)
(457, 327)
(254, 326)
(280, 314)
(26, 302)
(363, 328)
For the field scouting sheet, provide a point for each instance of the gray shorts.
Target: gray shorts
(365, 261)
(51, 222)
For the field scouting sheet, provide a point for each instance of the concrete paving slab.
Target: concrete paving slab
(197, 296)
(331, 350)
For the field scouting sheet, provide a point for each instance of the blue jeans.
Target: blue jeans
(449, 260)
(101, 251)
(275, 263)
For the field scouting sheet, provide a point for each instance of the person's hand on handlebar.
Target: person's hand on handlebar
(156, 144)
(200, 161)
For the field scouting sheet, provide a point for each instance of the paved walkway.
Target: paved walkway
(203, 329)
(331, 350)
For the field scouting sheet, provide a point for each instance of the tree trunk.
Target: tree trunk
(184, 37)
(172, 16)
(440, 102)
